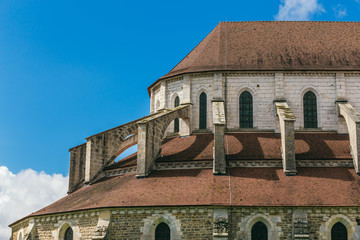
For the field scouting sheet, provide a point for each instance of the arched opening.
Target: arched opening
(202, 112)
(162, 232)
(128, 154)
(339, 232)
(310, 110)
(246, 110)
(259, 231)
(176, 121)
(68, 234)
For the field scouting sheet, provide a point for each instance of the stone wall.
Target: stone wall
(265, 88)
(197, 222)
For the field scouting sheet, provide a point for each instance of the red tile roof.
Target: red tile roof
(250, 146)
(275, 46)
(249, 187)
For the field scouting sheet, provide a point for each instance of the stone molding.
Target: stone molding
(63, 225)
(244, 227)
(206, 164)
(151, 222)
(325, 228)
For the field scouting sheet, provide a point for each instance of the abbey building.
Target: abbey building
(254, 135)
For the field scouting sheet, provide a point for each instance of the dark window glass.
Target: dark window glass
(246, 110)
(202, 117)
(310, 110)
(162, 232)
(259, 231)
(339, 232)
(69, 234)
(176, 121)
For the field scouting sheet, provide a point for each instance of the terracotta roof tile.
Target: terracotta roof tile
(249, 146)
(249, 187)
(275, 46)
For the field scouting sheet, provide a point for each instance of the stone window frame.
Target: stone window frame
(64, 225)
(201, 90)
(303, 91)
(195, 100)
(325, 228)
(253, 93)
(248, 222)
(151, 223)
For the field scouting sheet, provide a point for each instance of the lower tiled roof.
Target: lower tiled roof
(194, 187)
(249, 146)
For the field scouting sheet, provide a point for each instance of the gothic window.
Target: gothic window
(68, 234)
(176, 121)
(202, 113)
(339, 232)
(259, 231)
(246, 110)
(310, 110)
(162, 232)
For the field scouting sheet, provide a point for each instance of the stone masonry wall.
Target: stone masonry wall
(324, 87)
(261, 87)
(265, 88)
(199, 84)
(196, 223)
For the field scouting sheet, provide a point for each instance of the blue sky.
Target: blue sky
(70, 69)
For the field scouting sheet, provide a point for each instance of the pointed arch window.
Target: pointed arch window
(68, 234)
(176, 121)
(162, 232)
(259, 231)
(202, 112)
(339, 232)
(246, 110)
(310, 110)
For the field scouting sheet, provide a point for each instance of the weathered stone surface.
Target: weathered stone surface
(287, 119)
(151, 132)
(77, 166)
(219, 121)
(283, 223)
(352, 118)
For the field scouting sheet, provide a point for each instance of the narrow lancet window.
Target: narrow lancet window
(162, 232)
(339, 232)
(68, 234)
(202, 113)
(176, 121)
(310, 110)
(259, 231)
(246, 110)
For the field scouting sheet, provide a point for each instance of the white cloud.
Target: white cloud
(298, 10)
(26, 192)
(340, 11)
